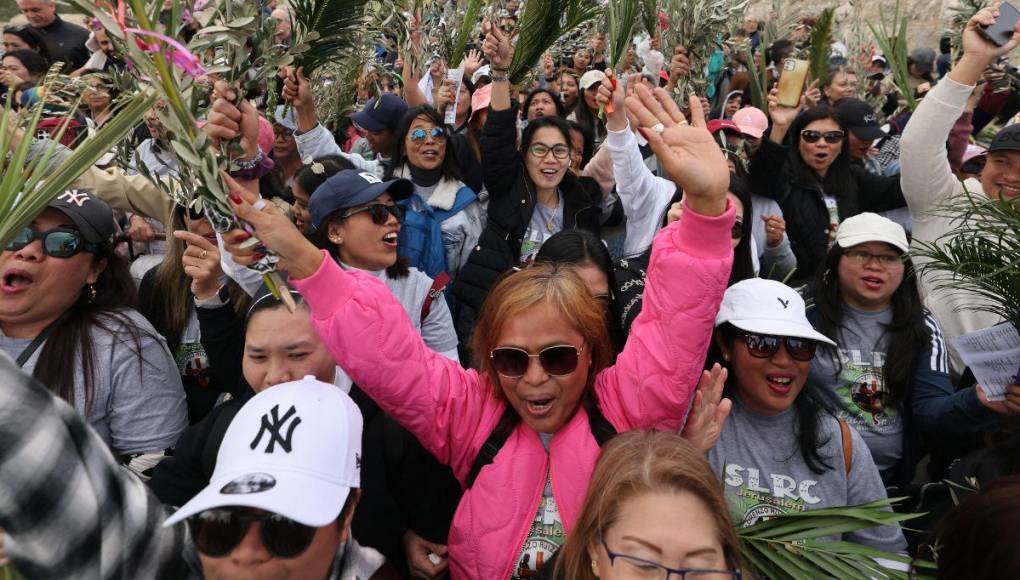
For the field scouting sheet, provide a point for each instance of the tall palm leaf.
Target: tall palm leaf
(892, 40)
(650, 17)
(821, 44)
(621, 17)
(541, 23)
(325, 29)
(468, 24)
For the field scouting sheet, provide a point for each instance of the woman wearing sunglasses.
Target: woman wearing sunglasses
(66, 316)
(888, 375)
(444, 217)
(654, 509)
(532, 195)
(780, 451)
(812, 178)
(545, 382)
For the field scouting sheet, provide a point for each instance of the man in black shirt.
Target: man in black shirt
(65, 41)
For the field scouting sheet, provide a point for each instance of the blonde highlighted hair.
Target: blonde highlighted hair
(632, 464)
(556, 284)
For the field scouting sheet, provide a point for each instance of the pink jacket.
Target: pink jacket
(452, 412)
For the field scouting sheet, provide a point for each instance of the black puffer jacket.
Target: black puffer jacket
(778, 173)
(511, 203)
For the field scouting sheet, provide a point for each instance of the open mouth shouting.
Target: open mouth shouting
(15, 281)
(540, 405)
(390, 240)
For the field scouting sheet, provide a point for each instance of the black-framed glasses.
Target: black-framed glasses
(639, 568)
(218, 531)
(558, 360)
(379, 212)
(437, 134)
(864, 257)
(737, 231)
(540, 150)
(56, 243)
(765, 346)
(282, 131)
(812, 136)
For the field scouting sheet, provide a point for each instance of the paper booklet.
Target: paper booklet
(993, 355)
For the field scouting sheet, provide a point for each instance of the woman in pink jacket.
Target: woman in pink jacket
(543, 356)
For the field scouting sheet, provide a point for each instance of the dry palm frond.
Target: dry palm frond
(324, 30)
(821, 45)
(699, 26)
(541, 23)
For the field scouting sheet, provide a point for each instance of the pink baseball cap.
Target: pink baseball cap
(751, 121)
(973, 151)
(480, 99)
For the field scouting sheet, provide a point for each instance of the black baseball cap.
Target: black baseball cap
(381, 113)
(91, 215)
(350, 188)
(1007, 139)
(859, 117)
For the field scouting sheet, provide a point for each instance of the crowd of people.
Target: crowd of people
(583, 331)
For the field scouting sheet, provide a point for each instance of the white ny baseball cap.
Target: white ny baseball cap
(871, 227)
(293, 450)
(767, 307)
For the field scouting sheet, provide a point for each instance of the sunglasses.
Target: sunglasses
(56, 243)
(540, 150)
(737, 231)
(218, 531)
(437, 133)
(831, 137)
(379, 212)
(512, 362)
(765, 346)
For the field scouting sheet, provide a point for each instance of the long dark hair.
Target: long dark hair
(838, 177)
(114, 296)
(584, 116)
(743, 261)
(309, 180)
(808, 405)
(907, 334)
(580, 247)
(560, 109)
(589, 141)
(450, 168)
(32, 38)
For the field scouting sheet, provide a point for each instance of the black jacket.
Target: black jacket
(511, 202)
(778, 173)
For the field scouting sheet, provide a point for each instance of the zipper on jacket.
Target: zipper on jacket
(547, 472)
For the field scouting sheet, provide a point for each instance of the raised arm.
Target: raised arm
(501, 162)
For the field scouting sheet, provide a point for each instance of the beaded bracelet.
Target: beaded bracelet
(253, 168)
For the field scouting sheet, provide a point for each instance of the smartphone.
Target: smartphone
(1002, 31)
(791, 81)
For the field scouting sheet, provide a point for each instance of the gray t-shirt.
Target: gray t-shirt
(854, 385)
(545, 221)
(138, 405)
(546, 534)
(765, 474)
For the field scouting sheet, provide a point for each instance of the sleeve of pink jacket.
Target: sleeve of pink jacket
(654, 378)
(370, 335)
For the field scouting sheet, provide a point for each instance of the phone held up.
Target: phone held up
(1002, 31)
(791, 81)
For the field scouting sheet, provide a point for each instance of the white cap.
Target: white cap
(483, 71)
(871, 227)
(286, 117)
(767, 307)
(293, 450)
(590, 78)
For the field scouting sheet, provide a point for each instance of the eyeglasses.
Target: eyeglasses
(282, 131)
(437, 134)
(831, 137)
(558, 361)
(540, 150)
(863, 257)
(56, 243)
(379, 212)
(218, 531)
(639, 568)
(737, 231)
(766, 346)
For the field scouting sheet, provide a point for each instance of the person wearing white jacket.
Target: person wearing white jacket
(928, 183)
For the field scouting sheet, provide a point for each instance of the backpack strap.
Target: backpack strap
(848, 445)
(438, 284)
(601, 428)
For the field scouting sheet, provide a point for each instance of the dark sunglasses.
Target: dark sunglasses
(218, 531)
(513, 362)
(737, 231)
(765, 346)
(56, 243)
(831, 137)
(379, 212)
(419, 135)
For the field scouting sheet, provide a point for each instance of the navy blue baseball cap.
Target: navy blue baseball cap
(381, 113)
(350, 188)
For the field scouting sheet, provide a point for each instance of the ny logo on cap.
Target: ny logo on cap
(370, 177)
(273, 424)
(74, 196)
(870, 119)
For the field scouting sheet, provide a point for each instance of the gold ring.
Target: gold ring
(204, 254)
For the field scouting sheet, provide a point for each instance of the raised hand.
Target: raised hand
(708, 410)
(201, 262)
(613, 95)
(688, 153)
(472, 62)
(812, 95)
(497, 49)
(775, 227)
(227, 120)
(976, 45)
(296, 89)
(679, 66)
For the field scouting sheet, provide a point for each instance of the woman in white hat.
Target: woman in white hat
(780, 451)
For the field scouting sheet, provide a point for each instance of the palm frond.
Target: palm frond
(793, 545)
(699, 26)
(821, 44)
(468, 24)
(650, 17)
(325, 29)
(621, 17)
(979, 254)
(959, 15)
(541, 23)
(892, 40)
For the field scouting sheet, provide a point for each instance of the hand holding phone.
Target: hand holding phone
(791, 81)
(1001, 32)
